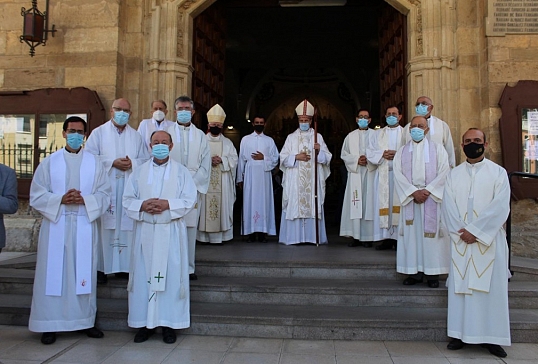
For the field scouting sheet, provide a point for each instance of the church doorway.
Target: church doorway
(265, 56)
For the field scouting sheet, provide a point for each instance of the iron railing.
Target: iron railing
(21, 157)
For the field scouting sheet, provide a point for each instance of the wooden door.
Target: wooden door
(208, 61)
(392, 58)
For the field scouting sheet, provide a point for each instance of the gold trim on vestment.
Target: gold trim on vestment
(384, 211)
(395, 209)
(409, 222)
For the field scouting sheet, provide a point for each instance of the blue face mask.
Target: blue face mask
(392, 120)
(75, 140)
(421, 110)
(121, 117)
(184, 116)
(160, 151)
(417, 134)
(363, 123)
(304, 126)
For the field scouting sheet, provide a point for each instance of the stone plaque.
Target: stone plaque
(512, 17)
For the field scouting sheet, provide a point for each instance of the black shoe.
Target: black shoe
(261, 238)
(385, 245)
(433, 283)
(143, 335)
(251, 238)
(193, 277)
(409, 281)
(122, 275)
(101, 278)
(169, 335)
(94, 332)
(354, 243)
(367, 244)
(455, 344)
(48, 338)
(495, 350)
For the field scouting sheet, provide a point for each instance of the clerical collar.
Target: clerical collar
(214, 138)
(68, 151)
(155, 164)
(186, 125)
(476, 163)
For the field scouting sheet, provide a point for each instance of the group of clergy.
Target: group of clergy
(136, 202)
(131, 203)
(405, 190)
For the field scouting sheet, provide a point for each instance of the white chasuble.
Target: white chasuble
(298, 179)
(216, 208)
(477, 199)
(58, 168)
(66, 260)
(298, 223)
(159, 272)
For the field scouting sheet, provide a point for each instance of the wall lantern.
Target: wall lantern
(34, 28)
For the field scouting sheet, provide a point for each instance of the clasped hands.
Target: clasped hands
(466, 236)
(154, 206)
(72, 197)
(123, 164)
(420, 196)
(389, 154)
(362, 160)
(304, 157)
(216, 160)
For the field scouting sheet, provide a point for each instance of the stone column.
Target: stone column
(170, 63)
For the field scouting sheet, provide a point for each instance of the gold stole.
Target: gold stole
(305, 178)
(383, 188)
(213, 197)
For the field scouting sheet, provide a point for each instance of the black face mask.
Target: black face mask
(258, 128)
(215, 130)
(473, 150)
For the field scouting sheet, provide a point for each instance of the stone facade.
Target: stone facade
(142, 50)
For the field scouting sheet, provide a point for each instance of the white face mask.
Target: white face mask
(158, 115)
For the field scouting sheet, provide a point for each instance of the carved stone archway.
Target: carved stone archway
(431, 67)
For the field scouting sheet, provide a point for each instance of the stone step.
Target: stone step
(294, 322)
(293, 291)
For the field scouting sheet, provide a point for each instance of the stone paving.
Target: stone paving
(18, 345)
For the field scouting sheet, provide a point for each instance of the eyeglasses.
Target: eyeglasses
(179, 108)
(364, 116)
(422, 103)
(73, 131)
(120, 109)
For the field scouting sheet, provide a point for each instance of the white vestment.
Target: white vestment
(148, 126)
(159, 274)
(298, 200)
(419, 251)
(358, 208)
(116, 228)
(216, 208)
(440, 133)
(69, 311)
(258, 213)
(383, 185)
(477, 198)
(191, 150)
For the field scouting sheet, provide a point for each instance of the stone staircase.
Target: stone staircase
(301, 292)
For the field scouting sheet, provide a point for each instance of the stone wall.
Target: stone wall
(83, 52)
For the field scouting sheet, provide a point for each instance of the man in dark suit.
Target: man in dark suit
(8, 198)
